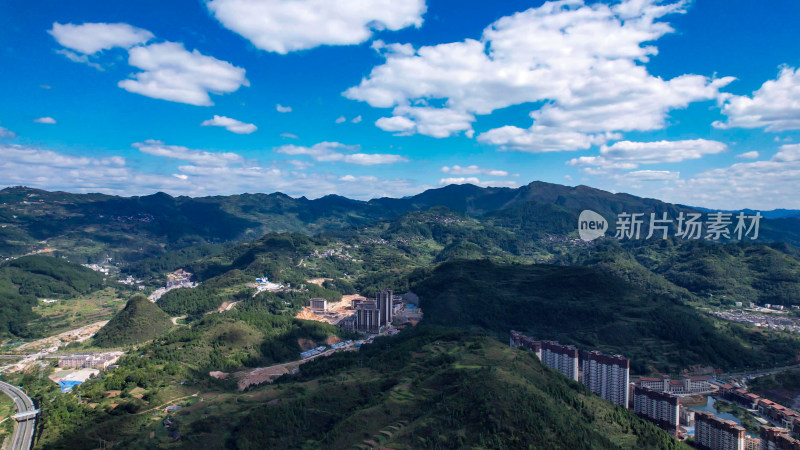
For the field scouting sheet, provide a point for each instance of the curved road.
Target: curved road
(23, 430)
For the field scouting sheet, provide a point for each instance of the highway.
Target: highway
(23, 430)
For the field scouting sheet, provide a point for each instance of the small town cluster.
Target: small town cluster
(659, 400)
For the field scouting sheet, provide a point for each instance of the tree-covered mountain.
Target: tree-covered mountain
(25, 280)
(593, 309)
(86, 227)
(140, 321)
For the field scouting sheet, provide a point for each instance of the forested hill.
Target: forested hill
(140, 321)
(91, 226)
(25, 280)
(592, 309)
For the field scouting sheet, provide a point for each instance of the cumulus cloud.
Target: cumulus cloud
(341, 119)
(356, 119)
(170, 72)
(775, 106)
(335, 151)
(629, 154)
(198, 157)
(435, 122)
(550, 55)
(284, 26)
(473, 170)
(540, 139)
(283, 109)
(232, 125)
(46, 120)
(90, 38)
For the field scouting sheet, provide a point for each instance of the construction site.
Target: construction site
(358, 313)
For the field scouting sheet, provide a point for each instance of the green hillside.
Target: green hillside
(25, 280)
(594, 310)
(434, 388)
(139, 321)
(425, 388)
(718, 274)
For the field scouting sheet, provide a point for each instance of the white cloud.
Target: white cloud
(90, 38)
(775, 106)
(284, 26)
(435, 122)
(460, 180)
(289, 136)
(356, 119)
(198, 157)
(590, 87)
(47, 120)
(360, 179)
(300, 165)
(335, 151)
(473, 170)
(758, 184)
(367, 159)
(629, 154)
(477, 182)
(540, 139)
(650, 175)
(283, 109)
(170, 72)
(341, 119)
(83, 59)
(5, 133)
(232, 125)
(748, 155)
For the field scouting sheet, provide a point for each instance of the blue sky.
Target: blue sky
(690, 102)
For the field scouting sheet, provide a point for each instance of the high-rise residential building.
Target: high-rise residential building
(563, 358)
(661, 408)
(713, 433)
(607, 376)
(773, 438)
(385, 305)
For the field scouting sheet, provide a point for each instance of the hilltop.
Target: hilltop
(140, 321)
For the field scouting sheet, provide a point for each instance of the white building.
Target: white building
(607, 376)
(661, 408)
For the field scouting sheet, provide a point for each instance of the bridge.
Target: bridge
(25, 415)
(22, 438)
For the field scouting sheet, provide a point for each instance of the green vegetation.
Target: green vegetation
(782, 387)
(593, 310)
(25, 280)
(428, 387)
(139, 321)
(54, 318)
